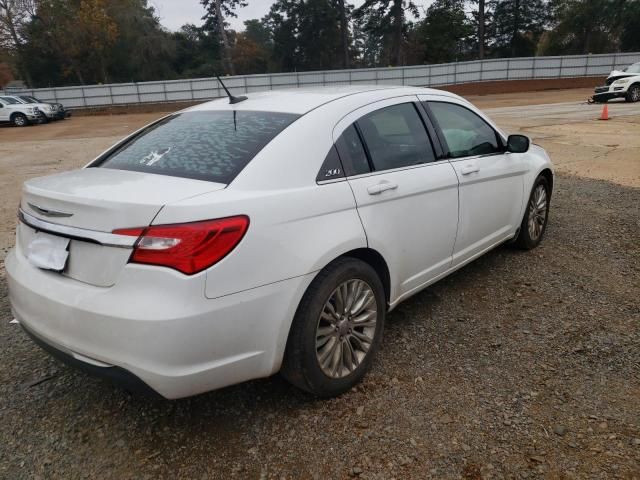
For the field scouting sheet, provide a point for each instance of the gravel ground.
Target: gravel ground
(521, 365)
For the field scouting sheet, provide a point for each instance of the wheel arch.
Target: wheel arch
(376, 261)
(548, 174)
(371, 257)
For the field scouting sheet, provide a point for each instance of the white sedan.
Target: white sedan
(231, 241)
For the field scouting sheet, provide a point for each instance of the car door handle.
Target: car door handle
(381, 187)
(469, 169)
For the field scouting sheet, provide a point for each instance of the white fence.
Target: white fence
(203, 89)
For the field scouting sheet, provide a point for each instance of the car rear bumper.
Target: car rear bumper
(156, 326)
(115, 374)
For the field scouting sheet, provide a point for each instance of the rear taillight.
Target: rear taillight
(187, 247)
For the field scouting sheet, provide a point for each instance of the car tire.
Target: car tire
(633, 94)
(536, 216)
(19, 120)
(331, 346)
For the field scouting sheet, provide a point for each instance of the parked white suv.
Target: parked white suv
(237, 239)
(47, 111)
(19, 114)
(50, 111)
(621, 84)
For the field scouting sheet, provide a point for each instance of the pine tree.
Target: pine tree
(518, 25)
(445, 34)
(388, 19)
(216, 12)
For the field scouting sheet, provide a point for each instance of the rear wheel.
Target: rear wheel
(535, 218)
(337, 329)
(19, 120)
(633, 94)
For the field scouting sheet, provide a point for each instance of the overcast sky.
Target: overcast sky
(175, 13)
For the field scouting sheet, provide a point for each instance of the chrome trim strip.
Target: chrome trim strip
(103, 238)
(333, 180)
(398, 169)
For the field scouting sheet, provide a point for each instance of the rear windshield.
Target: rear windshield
(208, 145)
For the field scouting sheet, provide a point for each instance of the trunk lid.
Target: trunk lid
(104, 199)
(98, 200)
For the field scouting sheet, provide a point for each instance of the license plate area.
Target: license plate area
(48, 252)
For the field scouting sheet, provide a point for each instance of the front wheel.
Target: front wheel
(337, 329)
(535, 218)
(19, 120)
(633, 94)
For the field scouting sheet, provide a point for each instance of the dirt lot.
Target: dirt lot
(521, 365)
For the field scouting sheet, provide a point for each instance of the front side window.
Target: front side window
(205, 145)
(465, 132)
(396, 137)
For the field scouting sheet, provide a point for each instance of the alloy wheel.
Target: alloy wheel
(537, 212)
(346, 328)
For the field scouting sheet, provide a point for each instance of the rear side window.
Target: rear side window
(396, 137)
(352, 153)
(208, 145)
(331, 167)
(465, 132)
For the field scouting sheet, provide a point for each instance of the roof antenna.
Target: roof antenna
(232, 99)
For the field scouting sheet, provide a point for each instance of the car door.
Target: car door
(491, 179)
(406, 195)
(4, 115)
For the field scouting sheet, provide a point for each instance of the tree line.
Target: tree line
(65, 42)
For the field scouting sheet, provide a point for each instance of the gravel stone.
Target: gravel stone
(560, 430)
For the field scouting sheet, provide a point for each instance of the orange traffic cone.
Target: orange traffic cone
(605, 113)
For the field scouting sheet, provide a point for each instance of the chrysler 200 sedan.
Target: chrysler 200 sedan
(234, 240)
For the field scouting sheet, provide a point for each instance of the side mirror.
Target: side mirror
(518, 144)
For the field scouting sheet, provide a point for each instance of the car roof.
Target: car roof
(302, 100)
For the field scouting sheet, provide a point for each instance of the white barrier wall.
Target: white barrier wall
(419, 75)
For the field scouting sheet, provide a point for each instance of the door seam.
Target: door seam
(455, 240)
